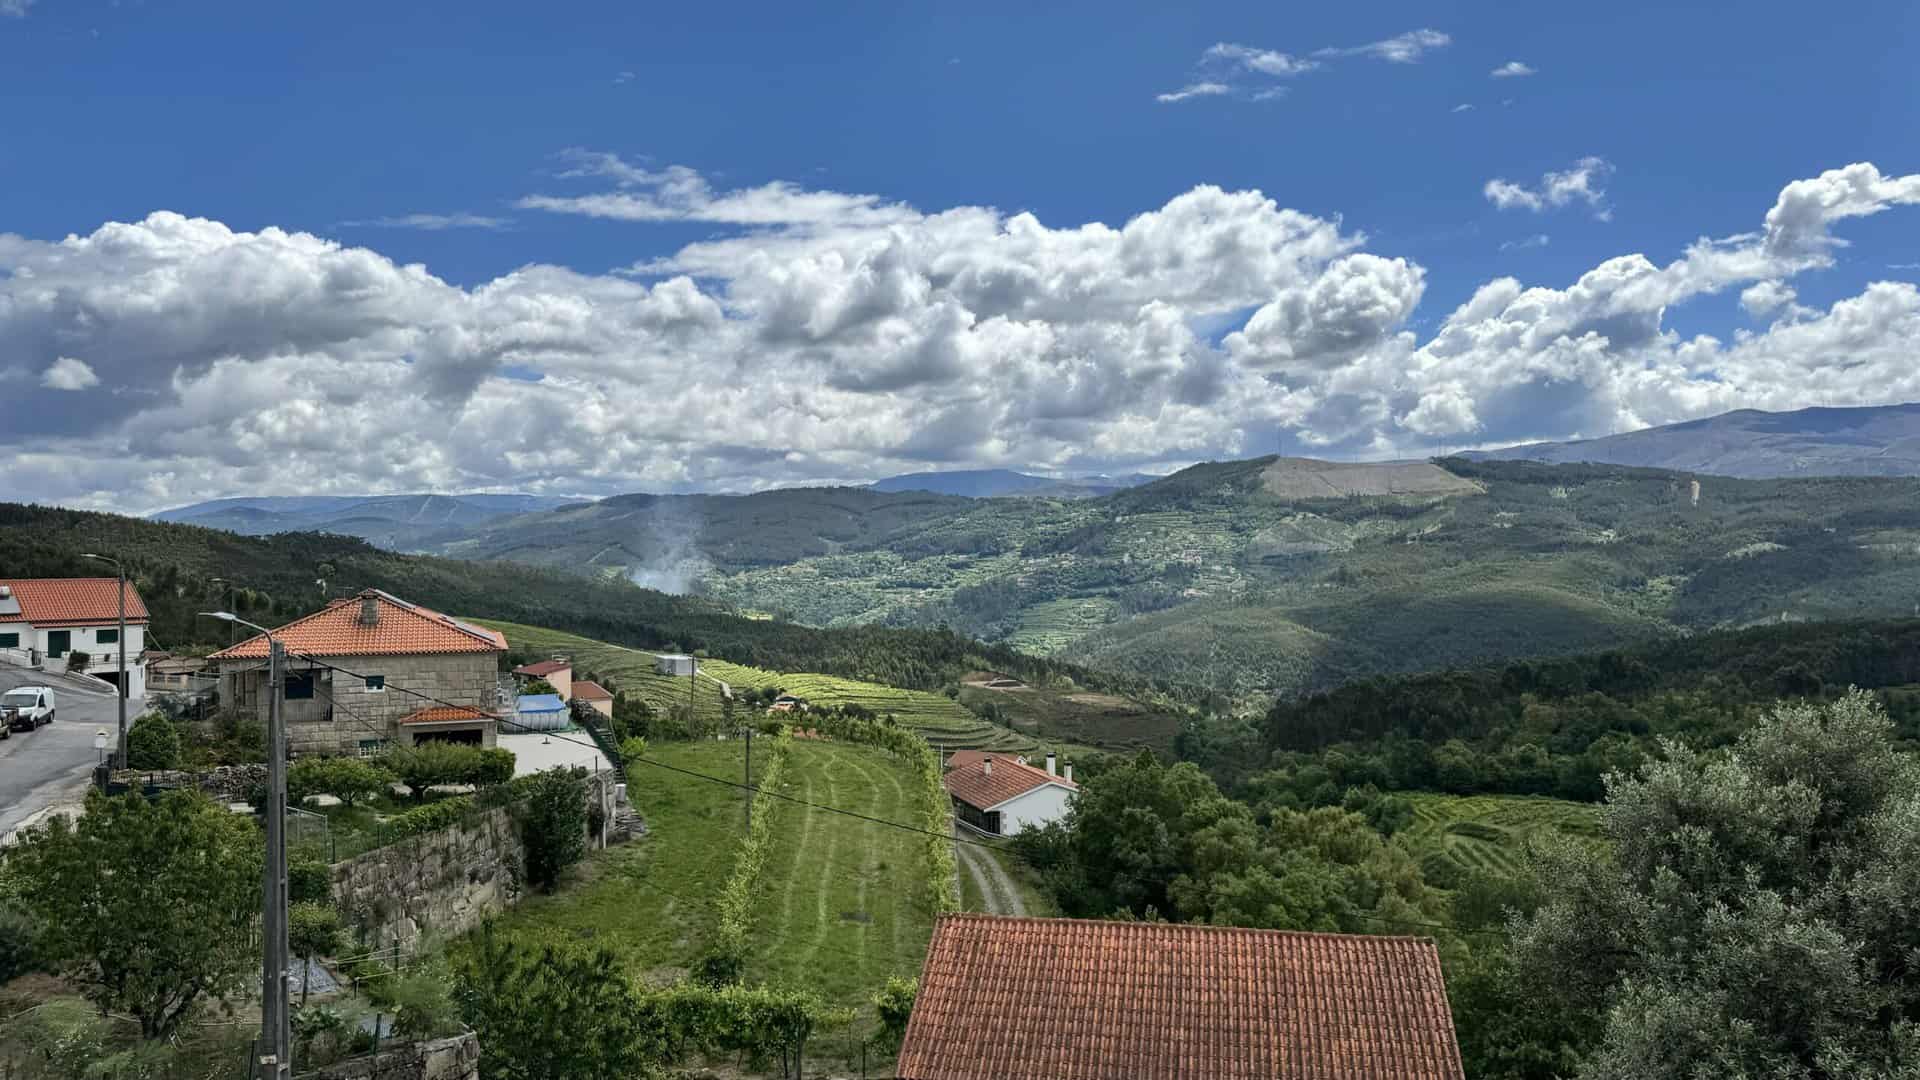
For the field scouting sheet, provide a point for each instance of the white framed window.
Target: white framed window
(372, 747)
(376, 684)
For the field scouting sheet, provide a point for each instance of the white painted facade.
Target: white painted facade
(49, 646)
(1040, 806)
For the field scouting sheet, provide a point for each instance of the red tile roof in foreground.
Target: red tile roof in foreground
(403, 630)
(444, 714)
(80, 601)
(968, 780)
(1067, 999)
(591, 691)
(543, 669)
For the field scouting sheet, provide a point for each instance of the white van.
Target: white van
(25, 708)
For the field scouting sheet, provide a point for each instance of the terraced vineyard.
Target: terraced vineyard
(943, 721)
(1455, 835)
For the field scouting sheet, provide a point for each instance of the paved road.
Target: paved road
(40, 768)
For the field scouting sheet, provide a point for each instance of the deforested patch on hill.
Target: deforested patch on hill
(1306, 478)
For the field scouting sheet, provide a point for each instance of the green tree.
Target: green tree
(538, 686)
(313, 930)
(425, 765)
(146, 907)
(351, 780)
(552, 1011)
(553, 825)
(153, 743)
(1756, 916)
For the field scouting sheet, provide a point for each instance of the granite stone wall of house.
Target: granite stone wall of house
(344, 712)
(441, 882)
(454, 1058)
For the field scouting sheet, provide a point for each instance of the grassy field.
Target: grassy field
(844, 901)
(843, 904)
(1458, 834)
(941, 719)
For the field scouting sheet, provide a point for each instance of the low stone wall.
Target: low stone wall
(445, 882)
(226, 783)
(455, 1058)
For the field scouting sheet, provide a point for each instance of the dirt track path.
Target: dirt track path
(1002, 896)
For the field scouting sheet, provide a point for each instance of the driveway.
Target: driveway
(53, 765)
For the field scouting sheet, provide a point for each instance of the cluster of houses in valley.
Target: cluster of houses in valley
(1000, 997)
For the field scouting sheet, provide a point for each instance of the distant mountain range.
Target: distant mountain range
(997, 483)
(1882, 440)
(400, 522)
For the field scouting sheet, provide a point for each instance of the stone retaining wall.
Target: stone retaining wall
(455, 1058)
(445, 882)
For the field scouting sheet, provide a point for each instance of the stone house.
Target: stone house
(372, 671)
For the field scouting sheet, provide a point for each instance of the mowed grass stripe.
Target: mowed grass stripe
(847, 867)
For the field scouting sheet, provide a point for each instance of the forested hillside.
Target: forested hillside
(1557, 726)
(183, 569)
(1258, 578)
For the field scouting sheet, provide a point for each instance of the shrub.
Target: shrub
(891, 1007)
(308, 880)
(538, 686)
(153, 743)
(495, 766)
(553, 825)
(16, 945)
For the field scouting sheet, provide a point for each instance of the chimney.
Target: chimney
(986, 767)
(1052, 762)
(369, 611)
(1069, 772)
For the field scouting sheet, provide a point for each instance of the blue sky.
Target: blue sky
(328, 119)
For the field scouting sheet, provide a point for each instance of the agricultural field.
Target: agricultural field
(1455, 835)
(941, 719)
(843, 902)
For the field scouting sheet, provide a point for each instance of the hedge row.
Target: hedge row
(727, 956)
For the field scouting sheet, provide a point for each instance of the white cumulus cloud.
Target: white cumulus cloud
(1582, 183)
(67, 373)
(1192, 90)
(1512, 69)
(819, 336)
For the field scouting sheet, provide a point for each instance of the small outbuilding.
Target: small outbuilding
(675, 664)
(591, 695)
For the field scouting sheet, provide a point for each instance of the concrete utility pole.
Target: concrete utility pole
(120, 753)
(273, 1054)
(749, 777)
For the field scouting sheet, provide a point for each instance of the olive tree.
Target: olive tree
(1756, 915)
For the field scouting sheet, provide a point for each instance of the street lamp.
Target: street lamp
(274, 1057)
(120, 752)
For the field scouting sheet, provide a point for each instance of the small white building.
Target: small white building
(674, 664)
(1000, 795)
(44, 621)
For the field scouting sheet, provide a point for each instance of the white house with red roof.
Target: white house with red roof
(372, 671)
(44, 621)
(1000, 795)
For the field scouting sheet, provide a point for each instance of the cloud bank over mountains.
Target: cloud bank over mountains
(830, 336)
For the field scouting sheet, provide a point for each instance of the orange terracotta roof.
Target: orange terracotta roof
(967, 779)
(543, 669)
(83, 601)
(444, 714)
(1068, 999)
(591, 691)
(403, 630)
